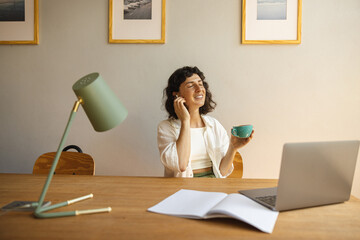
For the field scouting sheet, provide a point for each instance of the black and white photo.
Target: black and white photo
(137, 9)
(271, 9)
(12, 10)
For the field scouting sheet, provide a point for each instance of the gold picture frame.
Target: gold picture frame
(273, 31)
(150, 30)
(24, 31)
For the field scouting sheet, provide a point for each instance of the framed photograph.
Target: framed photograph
(19, 22)
(137, 21)
(271, 22)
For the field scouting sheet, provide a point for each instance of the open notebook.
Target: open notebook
(204, 205)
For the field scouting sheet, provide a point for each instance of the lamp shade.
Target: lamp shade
(101, 105)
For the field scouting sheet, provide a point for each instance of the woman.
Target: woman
(190, 143)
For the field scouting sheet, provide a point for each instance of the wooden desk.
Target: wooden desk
(129, 198)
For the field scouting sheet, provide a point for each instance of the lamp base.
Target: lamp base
(23, 206)
(40, 211)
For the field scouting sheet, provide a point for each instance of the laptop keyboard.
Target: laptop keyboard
(271, 200)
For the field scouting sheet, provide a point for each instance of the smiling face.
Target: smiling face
(193, 91)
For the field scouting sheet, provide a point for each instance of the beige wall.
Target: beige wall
(290, 93)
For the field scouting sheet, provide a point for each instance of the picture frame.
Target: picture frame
(137, 21)
(271, 22)
(19, 22)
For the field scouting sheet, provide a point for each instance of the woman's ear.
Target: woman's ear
(176, 94)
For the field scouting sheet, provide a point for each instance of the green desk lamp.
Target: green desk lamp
(104, 111)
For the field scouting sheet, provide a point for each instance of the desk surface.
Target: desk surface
(129, 198)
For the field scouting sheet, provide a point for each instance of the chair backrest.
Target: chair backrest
(74, 163)
(238, 167)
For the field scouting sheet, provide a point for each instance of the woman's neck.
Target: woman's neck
(196, 120)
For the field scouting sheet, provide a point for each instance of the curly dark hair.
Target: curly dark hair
(174, 82)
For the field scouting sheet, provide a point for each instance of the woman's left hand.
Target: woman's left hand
(237, 142)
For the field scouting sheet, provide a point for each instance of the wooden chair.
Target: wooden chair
(238, 167)
(75, 163)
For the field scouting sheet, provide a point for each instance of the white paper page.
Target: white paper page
(243, 208)
(188, 203)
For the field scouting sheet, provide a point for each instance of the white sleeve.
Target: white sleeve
(166, 137)
(224, 144)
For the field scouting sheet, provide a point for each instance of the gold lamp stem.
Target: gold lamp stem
(77, 104)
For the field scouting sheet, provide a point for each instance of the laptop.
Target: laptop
(311, 174)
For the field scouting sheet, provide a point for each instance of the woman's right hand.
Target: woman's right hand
(183, 142)
(180, 109)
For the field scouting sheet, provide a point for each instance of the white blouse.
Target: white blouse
(216, 142)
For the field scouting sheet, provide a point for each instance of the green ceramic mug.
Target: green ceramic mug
(242, 131)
